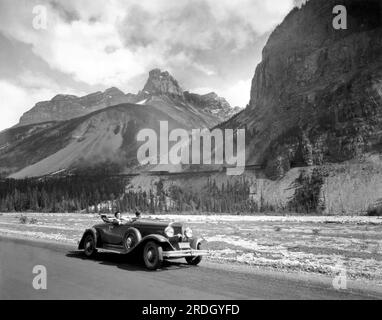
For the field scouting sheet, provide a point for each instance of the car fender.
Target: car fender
(137, 235)
(195, 242)
(157, 238)
(92, 231)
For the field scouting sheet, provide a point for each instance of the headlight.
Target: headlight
(169, 231)
(188, 233)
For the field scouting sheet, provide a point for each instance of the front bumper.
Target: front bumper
(184, 253)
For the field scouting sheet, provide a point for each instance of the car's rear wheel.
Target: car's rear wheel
(194, 261)
(90, 246)
(153, 255)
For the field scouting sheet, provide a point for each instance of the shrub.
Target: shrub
(375, 211)
(306, 198)
(23, 219)
(33, 221)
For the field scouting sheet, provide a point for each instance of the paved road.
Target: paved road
(111, 276)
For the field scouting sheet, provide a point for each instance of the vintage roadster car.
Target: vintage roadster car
(156, 240)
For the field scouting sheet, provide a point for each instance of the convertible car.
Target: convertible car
(156, 240)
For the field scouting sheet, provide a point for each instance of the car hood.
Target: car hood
(157, 224)
(152, 223)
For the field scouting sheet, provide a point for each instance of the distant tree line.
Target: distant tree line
(228, 197)
(105, 193)
(61, 194)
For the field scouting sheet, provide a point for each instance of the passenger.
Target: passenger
(117, 215)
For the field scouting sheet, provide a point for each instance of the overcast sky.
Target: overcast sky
(90, 45)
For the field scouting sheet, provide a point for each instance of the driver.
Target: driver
(118, 217)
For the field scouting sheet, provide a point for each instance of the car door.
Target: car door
(113, 234)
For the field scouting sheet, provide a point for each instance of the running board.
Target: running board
(114, 248)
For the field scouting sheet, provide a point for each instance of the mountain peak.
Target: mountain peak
(161, 90)
(161, 82)
(63, 97)
(113, 91)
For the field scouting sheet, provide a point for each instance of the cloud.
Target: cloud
(83, 49)
(14, 99)
(98, 43)
(18, 97)
(201, 23)
(237, 95)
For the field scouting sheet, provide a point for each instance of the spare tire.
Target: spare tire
(131, 239)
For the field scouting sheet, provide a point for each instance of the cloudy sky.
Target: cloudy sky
(90, 45)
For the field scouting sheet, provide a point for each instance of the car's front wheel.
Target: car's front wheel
(90, 246)
(194, 261)
(153, 255)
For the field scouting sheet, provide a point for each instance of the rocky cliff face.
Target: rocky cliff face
(316, 96)
(162, 83)
(213, 104)
(160, 90)
(64, 107)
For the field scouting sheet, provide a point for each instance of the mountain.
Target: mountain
(100, 129)
(213, 104)
(103, 139)
(64, 107)
(161, 83)
(161, 90)
(316, 96)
